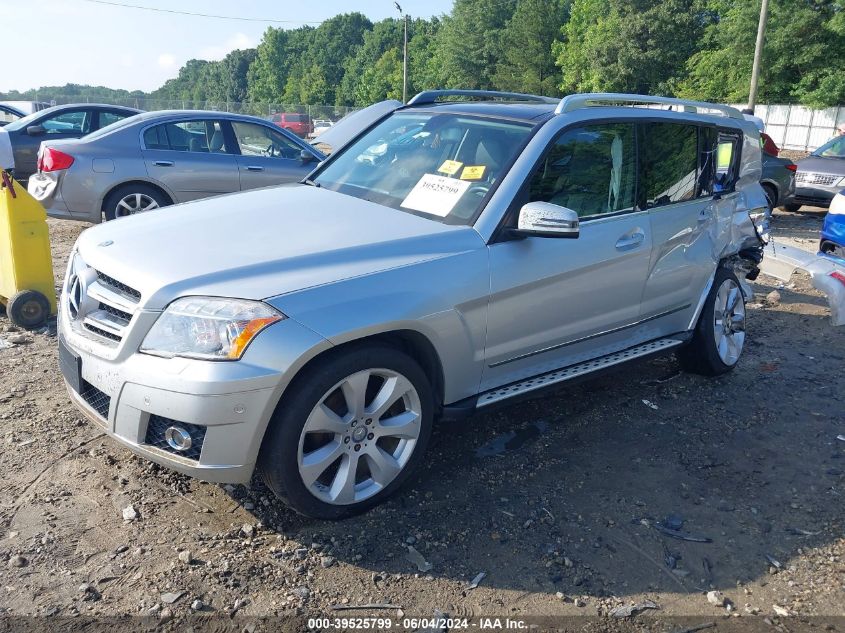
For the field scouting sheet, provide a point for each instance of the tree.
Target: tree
(469, 45)
(637, 46)
(527, 63)
(803, 37)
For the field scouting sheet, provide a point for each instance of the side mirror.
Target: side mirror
(544, 219)
(35, 130)
(306, 157)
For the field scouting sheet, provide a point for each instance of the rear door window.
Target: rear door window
(202, 136)
(727, 160)
(107, 117)
(669, 163)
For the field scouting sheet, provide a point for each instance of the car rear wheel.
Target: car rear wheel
(351, 431)
(132, 199)
(719, 337)
(771, 196)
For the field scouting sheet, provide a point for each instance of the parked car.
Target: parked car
(778, 179)
(27, 107)
(315, 331)
(833, 230)
(59, 122)
(161, 158)
(296, 122)
(320, 126)
(820, 176)
(8, 114)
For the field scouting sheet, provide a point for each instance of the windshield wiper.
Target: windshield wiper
(308, 181)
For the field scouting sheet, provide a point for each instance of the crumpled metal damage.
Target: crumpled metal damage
(827, 273)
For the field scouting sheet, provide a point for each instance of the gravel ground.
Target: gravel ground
(558, 500)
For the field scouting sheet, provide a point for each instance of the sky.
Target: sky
(54, 42)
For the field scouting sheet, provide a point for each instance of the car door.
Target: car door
(677, 164)
(191, 157)
(553, 301)
(72, 123)
(268, 157)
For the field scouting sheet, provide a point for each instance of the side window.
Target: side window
(589, 169)
(727, 161)
(73, 122)
(107, 118)
(258, 140)
(187, 136)
(7, 116)
(669, 163)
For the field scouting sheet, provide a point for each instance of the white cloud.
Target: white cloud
(166, 60)
(219, 51)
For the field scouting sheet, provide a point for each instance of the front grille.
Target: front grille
(810, 178)
(96, 399)
(103, 307)
(114, 283)
(155, 436)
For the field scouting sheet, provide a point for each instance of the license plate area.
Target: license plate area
(70, 364)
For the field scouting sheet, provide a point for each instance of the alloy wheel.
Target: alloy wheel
(729, 322)
(134, 203)
(359, 436)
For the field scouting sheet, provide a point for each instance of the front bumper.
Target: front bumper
(230, 402)
(813, 196)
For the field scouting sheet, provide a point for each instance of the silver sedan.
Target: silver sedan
(160, 158)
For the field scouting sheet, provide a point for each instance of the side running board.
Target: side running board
(574, 371)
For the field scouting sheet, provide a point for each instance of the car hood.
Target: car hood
(822, 165)
(263, 243)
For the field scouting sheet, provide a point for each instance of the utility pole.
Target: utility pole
(758, 54)
(404, 55)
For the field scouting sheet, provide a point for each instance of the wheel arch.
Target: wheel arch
(773, 185)
(136, 181)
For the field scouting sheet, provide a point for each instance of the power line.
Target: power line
(199, 15)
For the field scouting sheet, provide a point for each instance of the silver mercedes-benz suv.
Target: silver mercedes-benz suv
(461, 251)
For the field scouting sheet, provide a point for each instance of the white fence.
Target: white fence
(799, 128)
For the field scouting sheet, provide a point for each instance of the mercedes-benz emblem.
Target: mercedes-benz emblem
(74, 295)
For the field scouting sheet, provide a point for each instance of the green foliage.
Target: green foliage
(637, 46)
(701, 49)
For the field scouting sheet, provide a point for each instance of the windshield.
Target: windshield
(440, 166)
(834, 148)
(113, 126)
(24, 121)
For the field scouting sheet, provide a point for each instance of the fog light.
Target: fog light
(178, 438)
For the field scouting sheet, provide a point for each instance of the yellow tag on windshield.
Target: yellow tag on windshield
(473, 172)
(450, 167)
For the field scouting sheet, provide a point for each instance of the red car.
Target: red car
(299, 124)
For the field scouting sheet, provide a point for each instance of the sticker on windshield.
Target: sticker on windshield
(450, 167)
(435, 194)
(473, 172)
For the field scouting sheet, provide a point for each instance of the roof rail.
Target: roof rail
(431, 96)
(578, 101)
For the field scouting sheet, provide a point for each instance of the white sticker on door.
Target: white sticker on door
(436, 195)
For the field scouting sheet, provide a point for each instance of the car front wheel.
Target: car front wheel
(719, 337)
(351, 431)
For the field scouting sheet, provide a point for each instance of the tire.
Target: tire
(792, 207)
(132, 199)
(306, 469)
(28, 309)
(713, 350)
(771, 196)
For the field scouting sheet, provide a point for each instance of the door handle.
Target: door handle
(254, 168)
(630, 240)
(163, 163)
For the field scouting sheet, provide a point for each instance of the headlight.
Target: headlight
(210, 328)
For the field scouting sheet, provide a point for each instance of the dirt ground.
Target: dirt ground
(557, 500)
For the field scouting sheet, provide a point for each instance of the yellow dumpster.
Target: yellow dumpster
(26, 264)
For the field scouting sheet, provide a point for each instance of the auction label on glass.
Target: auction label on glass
(436, 195)
(450, 167)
